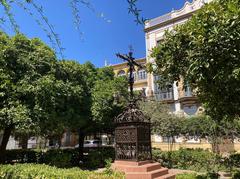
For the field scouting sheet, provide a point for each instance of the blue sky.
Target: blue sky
(105, 32)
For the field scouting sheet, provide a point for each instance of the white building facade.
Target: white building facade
(179, 97)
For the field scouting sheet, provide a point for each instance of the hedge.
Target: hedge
(63, 158)
(196, 159)
(191, 159)
(41, 171)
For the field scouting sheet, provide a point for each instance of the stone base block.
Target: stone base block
(142, 170)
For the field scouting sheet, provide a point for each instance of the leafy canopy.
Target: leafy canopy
(163, 121)
(105, 106)
(205, 52)
(40, 93)
(23, 64)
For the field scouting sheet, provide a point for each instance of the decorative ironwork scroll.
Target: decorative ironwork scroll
(132, 132)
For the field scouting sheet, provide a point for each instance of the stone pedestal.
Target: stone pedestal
(142, 170)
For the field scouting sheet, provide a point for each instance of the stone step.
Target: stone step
(132, 163)
(147, 175)
(168, 176)
(159, 172)
(153, 166)
(142, 168)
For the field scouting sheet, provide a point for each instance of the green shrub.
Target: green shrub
(189, 159)
(55, 157)
(108, 167)
(236, 174)
(96, 158)
(23, 156)
(235, 160)
(63, 158)
(33, 171)
(212, 175)
(93, 160)
(59, 158)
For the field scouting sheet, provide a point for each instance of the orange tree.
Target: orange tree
(205, 52)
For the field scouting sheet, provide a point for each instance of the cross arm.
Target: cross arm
(139, 65)
(124, 57)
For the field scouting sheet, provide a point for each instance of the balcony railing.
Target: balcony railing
(164, 96)
(142, 75)
(188, 92)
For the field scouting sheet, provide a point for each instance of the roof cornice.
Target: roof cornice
(185, 12)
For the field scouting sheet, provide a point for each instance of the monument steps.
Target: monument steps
(159, 172)
(147, 175)
(142, 170)
(152, 166)
(168, 176)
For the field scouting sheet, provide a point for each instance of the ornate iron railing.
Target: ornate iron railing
(132, 135)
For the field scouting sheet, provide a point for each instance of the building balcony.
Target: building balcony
(188, 92)
(137, 82)
(164, 96)
(187, 97)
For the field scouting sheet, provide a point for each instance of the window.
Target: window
(96, 142)
(161, 93)
(193, 139)
(68, 138)
(168, 139)
(187, 91)
(156, 78)
(190, 110)
(121, 73)
(134, 76)
(142, 75)
(172, 107)
(159, 41)
(87, 142)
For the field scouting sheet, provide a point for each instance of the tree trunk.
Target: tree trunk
(24, 141)
(6, 135)
(215, 145)
(81, 143)
(59, 141)
(45, 142)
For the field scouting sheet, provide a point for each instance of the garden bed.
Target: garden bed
(32, 171)
(62, 158)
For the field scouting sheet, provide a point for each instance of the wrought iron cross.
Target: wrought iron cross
(131, 63)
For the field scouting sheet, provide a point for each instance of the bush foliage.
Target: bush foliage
(196, 159)
(188, 159)
(32, 171)
(63, 158)
(196, 176)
